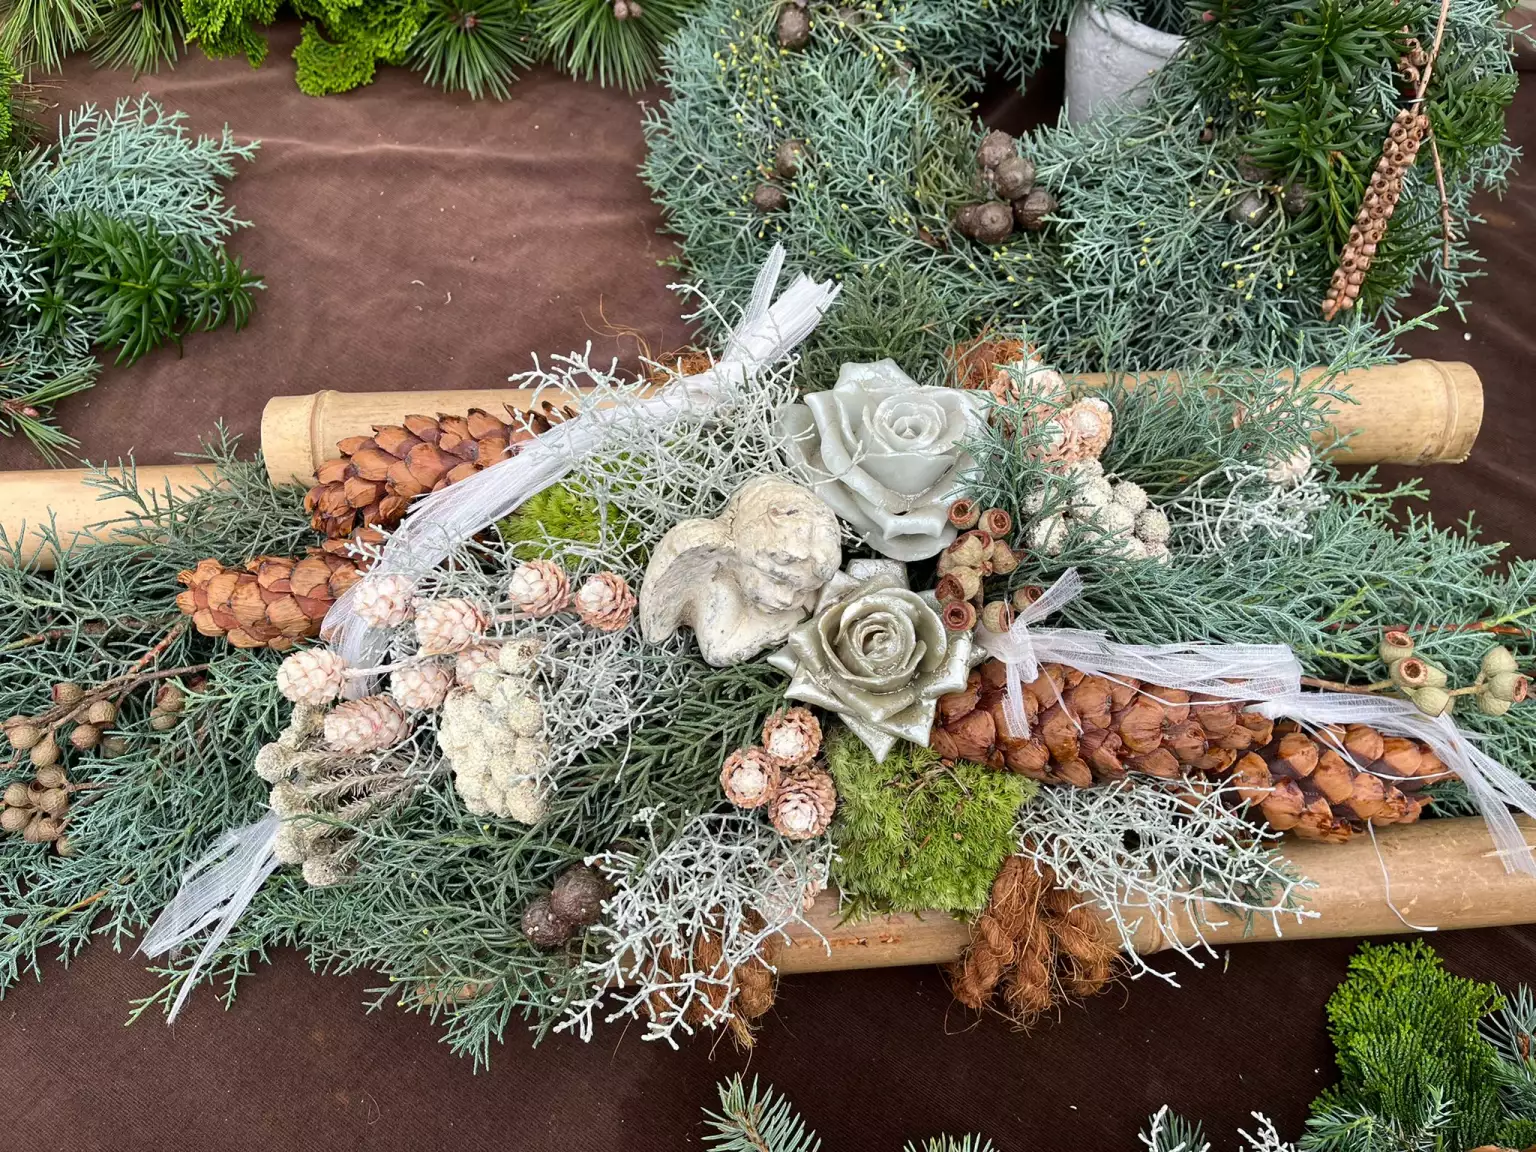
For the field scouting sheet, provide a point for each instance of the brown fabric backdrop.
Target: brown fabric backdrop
(370, 210)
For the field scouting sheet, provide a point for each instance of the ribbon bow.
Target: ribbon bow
(1493, 787)
(1016, 648)
(1227, 671)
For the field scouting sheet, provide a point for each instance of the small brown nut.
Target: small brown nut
(84, 737)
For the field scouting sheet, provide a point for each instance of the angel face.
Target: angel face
(779, 579)
(743, 580)
(787, 546)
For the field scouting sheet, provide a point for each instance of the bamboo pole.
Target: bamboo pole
(1415, 412)
(29, 499)
(1444, 875)
(1420, 411)
(1411, 412)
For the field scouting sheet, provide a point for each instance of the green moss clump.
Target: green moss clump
(913, 833)
(1406, 1031)
(551, 520)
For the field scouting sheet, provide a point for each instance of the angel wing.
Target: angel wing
(682, 567)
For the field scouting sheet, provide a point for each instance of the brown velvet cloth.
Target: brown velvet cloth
(370, 210)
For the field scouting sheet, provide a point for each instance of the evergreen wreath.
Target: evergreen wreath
(1200, 228)
(406, 872)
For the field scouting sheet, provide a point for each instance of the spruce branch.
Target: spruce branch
(756, 1120)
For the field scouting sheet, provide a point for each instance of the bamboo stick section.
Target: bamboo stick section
(1444, 874)
(29, 500)
(1420, 411)
(1415, 412)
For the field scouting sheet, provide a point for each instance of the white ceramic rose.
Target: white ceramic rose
(885, 452)
(878, 655)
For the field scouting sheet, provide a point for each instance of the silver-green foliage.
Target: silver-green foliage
(145, 814)
(1141, 266)
(137, 162)
(133, 166)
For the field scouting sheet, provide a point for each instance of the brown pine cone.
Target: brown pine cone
(378, 476)
(272, 604)
(1298, 782)
(802, 807)
(1319, 794)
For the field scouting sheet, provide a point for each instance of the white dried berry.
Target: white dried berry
(1092, 494)
(1115, 519)
(1049, 536)
(1153, 527)
(1131, 496)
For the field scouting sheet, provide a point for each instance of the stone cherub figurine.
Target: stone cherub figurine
(743, 580)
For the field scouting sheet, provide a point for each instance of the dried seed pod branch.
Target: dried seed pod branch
(1401, 147)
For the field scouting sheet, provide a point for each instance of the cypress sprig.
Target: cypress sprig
(164, 801)
(1142, 266)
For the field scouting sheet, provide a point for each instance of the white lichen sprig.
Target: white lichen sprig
(1168, 1132)
(654, 473)
(1240, 501)
(1139, 851)
(726, 874)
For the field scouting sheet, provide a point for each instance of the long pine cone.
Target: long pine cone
(377, 476)
(273, 603)
(1300, 781)
(1398, 153)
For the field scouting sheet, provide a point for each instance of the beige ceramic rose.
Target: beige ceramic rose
(887, 454)
(877, 654)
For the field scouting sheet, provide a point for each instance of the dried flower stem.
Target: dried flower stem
(1339, 686)
(1445, 202)
(149, 657)
(95, 628)
(121, 685)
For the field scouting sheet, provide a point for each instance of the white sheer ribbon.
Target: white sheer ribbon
(1494, 788)
(218, 888)
(769, 330)
(215, 890)
(1231, 671)
(1268, 677)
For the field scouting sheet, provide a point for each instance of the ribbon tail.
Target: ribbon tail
(1013, 703)
(1495, 789)
(216, 890)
